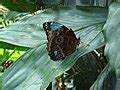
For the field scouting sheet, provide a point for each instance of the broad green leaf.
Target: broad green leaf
(34, 70)
(112, 37)
(112, 50)
(27, 35)
(28, 32)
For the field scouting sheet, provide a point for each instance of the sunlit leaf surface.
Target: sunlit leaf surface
(34, 70)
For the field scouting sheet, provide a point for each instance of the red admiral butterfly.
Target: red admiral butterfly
(61, 40)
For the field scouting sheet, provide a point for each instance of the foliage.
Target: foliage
(111, 33)
(35, 65)
(18, 5)
(34, 5)
(34, 70)
(6, 54)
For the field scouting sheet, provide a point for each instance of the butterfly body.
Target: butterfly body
(61, 40)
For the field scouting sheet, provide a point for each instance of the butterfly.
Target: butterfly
(61, 40)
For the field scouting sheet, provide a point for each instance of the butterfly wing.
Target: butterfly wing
(61, 40)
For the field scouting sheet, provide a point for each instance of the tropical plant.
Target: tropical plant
(96, 26)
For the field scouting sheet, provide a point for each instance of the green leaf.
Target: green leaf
(28, 32)
(34, 70)
(112, 51)
(112, 37)
(27, 35)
